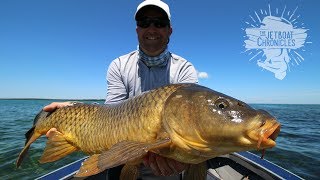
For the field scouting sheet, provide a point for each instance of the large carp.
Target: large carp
(186, 122)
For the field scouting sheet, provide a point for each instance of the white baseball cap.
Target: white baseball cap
(157, 3)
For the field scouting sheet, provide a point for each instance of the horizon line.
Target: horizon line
(102, 99)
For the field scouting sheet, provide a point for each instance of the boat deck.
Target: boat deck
(243, 165)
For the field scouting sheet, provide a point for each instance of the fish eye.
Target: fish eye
(222, 104)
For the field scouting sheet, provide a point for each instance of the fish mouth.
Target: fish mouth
(266, 135)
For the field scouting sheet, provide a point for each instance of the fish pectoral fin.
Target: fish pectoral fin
(196, 171)
(120, 153)
(57, 147)
(129, 172)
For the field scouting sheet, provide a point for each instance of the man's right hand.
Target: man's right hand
(55, 105)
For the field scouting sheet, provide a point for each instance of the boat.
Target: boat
(241, 165)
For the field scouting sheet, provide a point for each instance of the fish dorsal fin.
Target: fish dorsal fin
(121, 153)
(57, 147)
(196, 171)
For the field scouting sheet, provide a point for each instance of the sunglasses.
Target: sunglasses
(158, 23)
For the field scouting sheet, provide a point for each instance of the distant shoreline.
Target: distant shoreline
(52, 99)
(57, 99)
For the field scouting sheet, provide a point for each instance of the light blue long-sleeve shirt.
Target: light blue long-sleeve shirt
(128, 76)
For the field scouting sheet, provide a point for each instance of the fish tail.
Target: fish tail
(31, 136)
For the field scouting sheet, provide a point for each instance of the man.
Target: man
(148, 67)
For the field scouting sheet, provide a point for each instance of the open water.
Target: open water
(298, 144)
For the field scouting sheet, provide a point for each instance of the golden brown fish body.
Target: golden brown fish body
(95, 128)
(186, 122)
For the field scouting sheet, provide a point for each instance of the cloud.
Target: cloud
(203, 75)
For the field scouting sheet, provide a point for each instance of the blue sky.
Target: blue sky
(62, 49)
